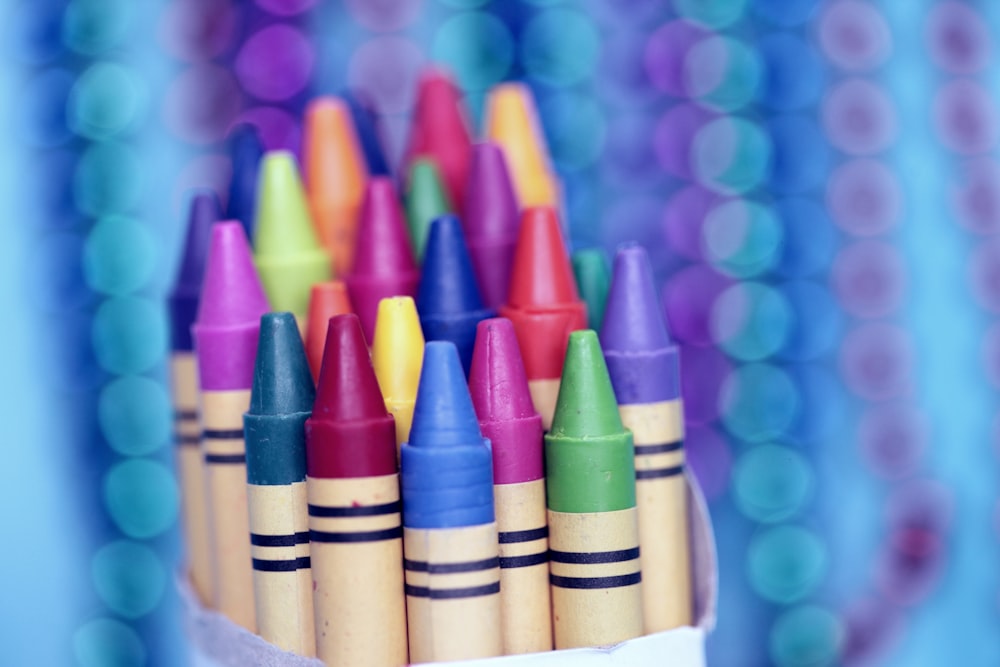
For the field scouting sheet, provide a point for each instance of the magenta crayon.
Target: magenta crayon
(225, 341)
(644, 366)
(491, 221)
(204, 212)
(499, 389)
(384, 263)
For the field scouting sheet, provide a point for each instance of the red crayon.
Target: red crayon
(543, 304)
(384, 265)
(325, 300)
(440, 131)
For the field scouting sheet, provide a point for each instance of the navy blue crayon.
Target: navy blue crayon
(364, 124)
(448, 299)
(245, 150)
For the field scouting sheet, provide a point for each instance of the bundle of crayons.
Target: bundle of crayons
(512, 485)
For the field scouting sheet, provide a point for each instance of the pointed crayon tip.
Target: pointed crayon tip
(367, 130)
(335, 175)
(350, 433)
(443, 415)
(497, 381)
(203, 212)
(586, 406)
(425, 201)
(643, 361)
(282, 383)
(590, 267)
(245, 149)
(398, 348)
(325, 300)
(542, 274)
(512, 122)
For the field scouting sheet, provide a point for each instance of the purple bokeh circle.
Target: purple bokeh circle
(384, 15)
(666, 52)
(958, 38)
(893, 439)
(684, 218)
(197, 30)
(285, 7)
(984, 274)
(965, 117)
(854, 35)
(674, 136)
(278, 128)
(977, 196)
(201, 102)
(275, 63)
(864, 197)
(688, 298)
(710, 459)
(859, 117)
(386, 69)
(869, 279)
(704, 369)
(876, 361)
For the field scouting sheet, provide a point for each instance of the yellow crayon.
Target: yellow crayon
(397, 354)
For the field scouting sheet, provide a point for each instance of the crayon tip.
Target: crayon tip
(367, 131)
(541, 273)
(443, 415)
(490, 206)
(497, 381)
(398, 348)
(335, 175)
(425, 201)
(282, 383)
(325, 300)
(347, 388)
(586, 407)
(203, 212)
(245, 150)
(231, 292)
(590, 267)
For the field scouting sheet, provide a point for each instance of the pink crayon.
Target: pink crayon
(506, 414)
(225, 341)
(384, 265)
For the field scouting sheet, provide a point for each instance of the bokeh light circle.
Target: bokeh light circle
(384, 15)
(785, 13)
(816, 325)
(576, 129)
(715, 14)
(722, 72)
(41, 114)
(869, 278)
(34, 37)
(984, 274)
(864, 197)
(104, 641)
(758, 402)
(742, 238)
(279, 129)
(684, 219)
(810, 238)
(201, 103)
(806, 636)
(965, 117)
(708, 456)
(876, 361)
(385, 70)
(621, 69)
(705, 369)
(991, 355)
(289, 7)
(673, 139)
(854, 35)
(859, 117)
(688, 297)
(793, 74)
(119, 256)
(666, 52)
(801, 158)
(772, 483)
(197, 31)
(275, 63)
(129, 577)
(477, 46)
(958, 38)
(731, 155)
(91, 27)
(786, 563)
(560, 47)
(976, 195)
(750, 321)
(892, 439)
(141, 497)
(129, 334)
(135, 415)
(108, 98)
(108, 179)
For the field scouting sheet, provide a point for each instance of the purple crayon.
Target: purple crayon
(225, 341)
(645, 372)
(492, 222)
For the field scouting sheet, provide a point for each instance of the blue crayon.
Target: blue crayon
(449, 300)
(245, 150)
(452, 559)
(364, 125)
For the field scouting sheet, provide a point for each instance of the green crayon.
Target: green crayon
(593, 279)
(426, 200)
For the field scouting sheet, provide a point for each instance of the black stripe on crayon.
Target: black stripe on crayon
(360, 510)
(595, 557)
(279, 540)
(659, 472)
(661, 448)
(515, 536)
(185, 415)
(225, 458)
(596, 582)
(450, 568)
(222, 434)
(511, 562)
(290, 565)
(188, 439)
(451, 593)
(366, 536)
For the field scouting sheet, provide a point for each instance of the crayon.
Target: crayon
(448, 299)
(280, 401)
(440, 130)
(543, 305)
(204, 211)
(366, 125)
(383, 260)
(508, 420)
(325, 300)
(426, 200)
(590, 267)
(512, 122)
(645, 371)
(354, 510)
(225, 338)
(452, 565)
(491, 220)
(398, 354)
(287, 253)
(335, 172)
(590, 484)
(245, 150)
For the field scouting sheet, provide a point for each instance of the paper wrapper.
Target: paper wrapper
(216, 642)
